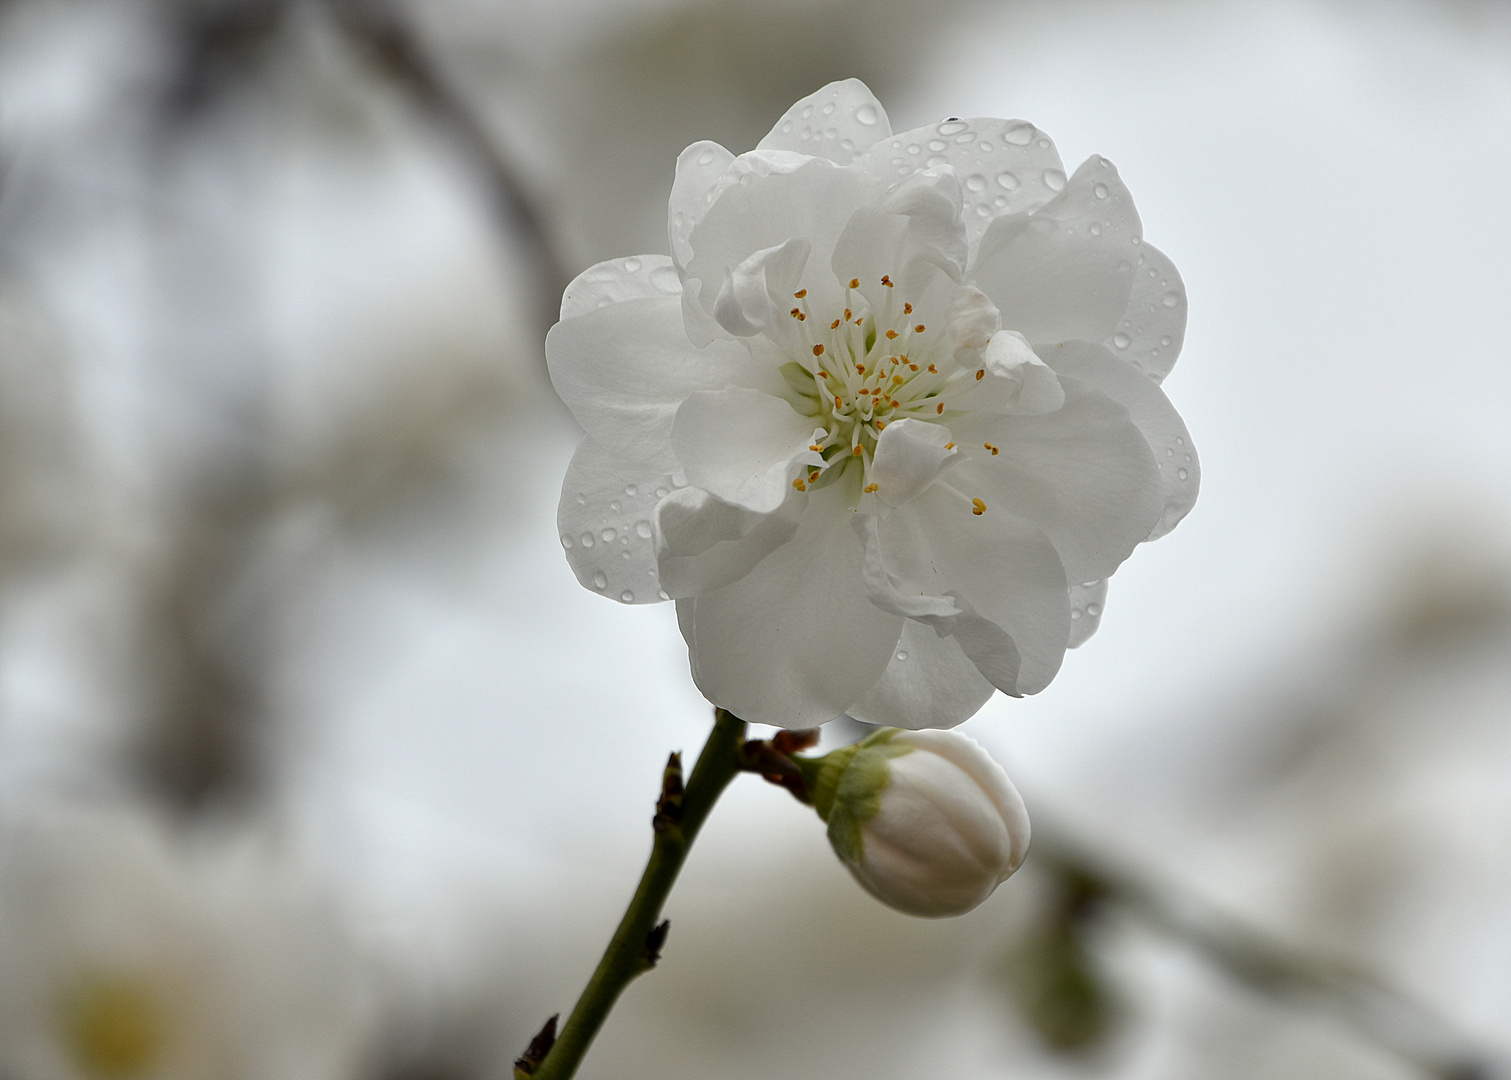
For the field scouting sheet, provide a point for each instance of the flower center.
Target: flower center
(864, 368)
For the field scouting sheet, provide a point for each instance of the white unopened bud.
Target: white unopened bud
(925, 820)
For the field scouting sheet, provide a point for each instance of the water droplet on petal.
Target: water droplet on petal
(937, 145)
(627, 597)
(679, 481)
(566, 541)
(952, 127)
(600, 580)
(643, 529)
(706, 158)
(631, 490)
(847, 145)
(1054, 179)
(1180, 440)
(866, 114)
(828, 108)
(632, 264)
(1043, 144)
(1182, 473)
(1093, 610)
(902, 654)
(975, 182)
(608, 536)
(1170, 299)
(1100, 191)
(663, 594)
(665, 279)
(807, 111)
(582, 500)
(614, 505)
(1121, 340)
(1007, 181)
(1165, 340)
(1169, 452)
(586, 540)
(914, 149)
(1095, 228)
(1020, 135)
(1075, 613)
(661, 493)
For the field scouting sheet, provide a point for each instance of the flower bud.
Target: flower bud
(925, 820)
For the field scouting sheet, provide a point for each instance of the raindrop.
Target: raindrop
(1043, 144)
(914, 149)
(1007, 181)
(986, 148)
(828, 108)
(661, 493)
(1121, 340)
(936, 160)
(706, 158)
(663, 594)
(866, 114)
(1095, 228)
(1054, 179)
(609, 535)
(787, 126)
(1180, 440)
(627, 596)
(1170, 299)
(632, 264)
(624, 554)
(643, 529)
(631, 490)
(807, 111)
(600, 580)
(982, 210)
(679, 481)
(665, 279)
(582, 500)
(1188, 457)
(952, 127)
(586, 540)
(965, 138)
(1182, 473)
(1165, 340)
(1169, 452)
(614, 505)
(1093, 610)
(975, 182)
(1020, 135)
(1075, 613)
(902, 654)
(1100, 191)
(847, 145)
(566, 541)
(1000, 201)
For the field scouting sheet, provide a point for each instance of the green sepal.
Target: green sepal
(846, 786)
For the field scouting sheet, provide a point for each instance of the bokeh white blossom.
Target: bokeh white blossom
(884, 421)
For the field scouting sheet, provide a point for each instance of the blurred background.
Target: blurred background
(315, 760)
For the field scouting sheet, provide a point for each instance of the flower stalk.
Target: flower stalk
(636, 944)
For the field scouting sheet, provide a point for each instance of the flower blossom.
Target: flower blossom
(926, 821)
(884, 421)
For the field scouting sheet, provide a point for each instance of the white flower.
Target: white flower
(925, 820)
(128, 952)
(884, 422)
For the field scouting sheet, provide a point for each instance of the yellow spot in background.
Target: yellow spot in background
(113, 1026)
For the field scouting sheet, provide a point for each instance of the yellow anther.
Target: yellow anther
(907, 309)
(864, 390)
(798, 483)
(880, 424)
(849, 314)
(801, 317)
(855, 283)
(978, 507)
(992, 448)
(898, 380)
(834, 325)
(980, 374)
(838, 404)
(860, 368)
(886, 279)
(823, 374)
(813, 476)
(800, 294)
(949, 446)
(891, 335)
(815, 447)
(940, 408)
(818, 350)
(933, 370)
(920, 328)
(869, 488)
(912, 367)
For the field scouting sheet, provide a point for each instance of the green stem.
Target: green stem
(627, 956)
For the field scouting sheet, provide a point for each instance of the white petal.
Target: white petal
(744, 446)
(704, 543)
(699, 170)
(759, 291)
(1016, 383)
(634, 278)
(774, 198)
(1161, 425)
(910, 455)
(1151, 331)
(930, 683)
(1065, 271)
(1005, 166)
(607, 506)
(839, 122)
(1004, 567)
(624, 369)
(1086, 604)
(895, 595)
(970, 321)
(910, 235)
(1084, 474)
(795, 642)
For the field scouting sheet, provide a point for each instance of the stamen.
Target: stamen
(800, 294)
(838, 404)
(834, 325)
(891, 335)
(798, 483)
(898, 380)
(813, 476)
(860, 368)
(978, 507)
(818, 350)
(855, 283)
(920, 328)
(940, 410)
(992, 448)
(933, 370)
(907, 309)
(856, 451)
(816, 448)
(869, 488)
(981, 374)
(886, 280)
(848, 316)
(949, 446)
(796, 312)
